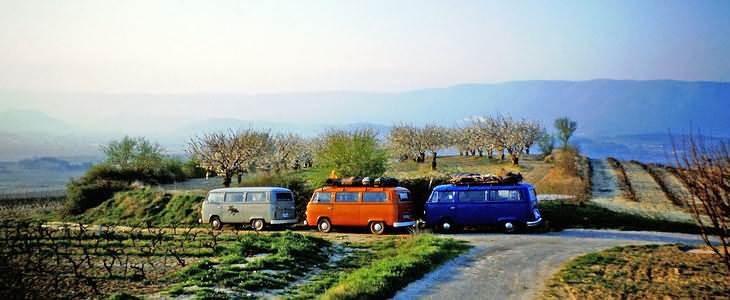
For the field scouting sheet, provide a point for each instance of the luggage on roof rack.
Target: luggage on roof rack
(486, 179)
(367, 181)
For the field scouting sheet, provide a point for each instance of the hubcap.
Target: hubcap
(324, 225)
(258, 224)
(216, 223)
(446, 226)
(508, 226)
(378, 226)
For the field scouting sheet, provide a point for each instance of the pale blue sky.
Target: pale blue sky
(285, 46)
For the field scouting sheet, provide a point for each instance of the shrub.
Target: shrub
(86, 193)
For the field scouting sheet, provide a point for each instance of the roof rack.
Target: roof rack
(485, 179)
(366, 182)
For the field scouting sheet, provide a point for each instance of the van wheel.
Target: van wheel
(446, 226)
(257, 224)
(324, 225)
(216, 223)
(377, 227)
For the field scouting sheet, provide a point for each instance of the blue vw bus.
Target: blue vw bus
(512, 207)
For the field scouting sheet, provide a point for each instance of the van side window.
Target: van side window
(255, 197)
(442, 197)
(504, 195)
(233, 198)
(322, 197)
(374, 197)
(215, 197)
(346, 197)
(473, 196)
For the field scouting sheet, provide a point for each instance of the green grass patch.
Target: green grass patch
(395, 268)
(251, 264)
(561, 215)
(145, 206)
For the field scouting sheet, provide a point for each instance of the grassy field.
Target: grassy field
(71, 261)
(641, 272)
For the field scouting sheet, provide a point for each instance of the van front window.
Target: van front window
(442, 197)
(215, 197)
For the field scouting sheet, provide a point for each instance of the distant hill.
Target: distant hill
(602, 108)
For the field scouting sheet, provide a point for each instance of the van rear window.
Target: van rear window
(255, 197)
(404, 196)
(374, 197)
(284, 197)
(504, 195)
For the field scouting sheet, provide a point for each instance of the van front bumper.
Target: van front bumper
(288, 221)
(534, 223)
(404, 224)
(538, 219)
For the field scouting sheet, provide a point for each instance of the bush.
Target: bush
(86, 193)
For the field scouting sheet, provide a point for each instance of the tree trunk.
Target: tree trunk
(490, 154)
(227, 180)
(473, 152)
(481, 153)
(433, 161)
(461, 153)
(502, 156)
(515, 159)
(239, 177)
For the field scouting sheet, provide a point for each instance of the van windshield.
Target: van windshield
(284, 197)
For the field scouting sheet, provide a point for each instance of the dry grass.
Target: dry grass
(567, 174)
(641, 272)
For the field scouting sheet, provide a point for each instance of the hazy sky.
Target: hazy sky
(271, 46)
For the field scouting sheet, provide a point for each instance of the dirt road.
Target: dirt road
(516, 266)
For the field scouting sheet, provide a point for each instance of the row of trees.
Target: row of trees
(233, 153)
(489, 134)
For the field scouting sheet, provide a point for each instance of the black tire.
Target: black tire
(258, 224)
(377, 227)
(215, 223)
(324, 225)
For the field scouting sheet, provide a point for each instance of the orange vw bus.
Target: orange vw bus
(356, 206)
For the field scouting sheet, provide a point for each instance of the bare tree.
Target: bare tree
(230, 153)
(705, 171)
(286, 151)
(434, 138)
(405, 140)
(533, 131)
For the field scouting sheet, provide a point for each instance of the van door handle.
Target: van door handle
(452, 208)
